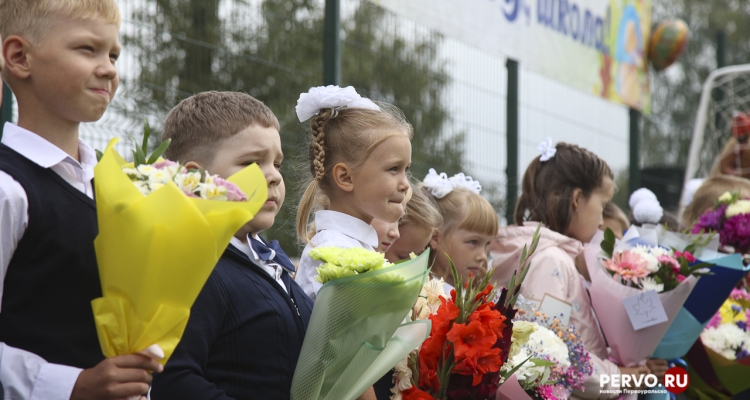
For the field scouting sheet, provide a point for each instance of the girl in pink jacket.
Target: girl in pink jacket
(566, 189)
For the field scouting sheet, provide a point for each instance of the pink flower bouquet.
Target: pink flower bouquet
(618, 274)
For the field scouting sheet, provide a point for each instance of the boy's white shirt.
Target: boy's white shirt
(25, 375)
(273, 269)
(332, 229)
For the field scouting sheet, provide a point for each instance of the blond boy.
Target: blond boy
(60, 63)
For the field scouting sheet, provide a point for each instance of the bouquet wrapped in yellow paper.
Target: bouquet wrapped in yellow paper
(155, 252)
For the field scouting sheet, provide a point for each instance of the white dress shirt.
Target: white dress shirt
(333, 229)
(25, 375)
(275, 270)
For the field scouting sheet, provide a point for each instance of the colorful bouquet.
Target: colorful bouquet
(156, 248)
(470, 339)
(357, 331)
(193, 183)
(720, 362)
(653, 268)
(547, 359)
(629, 271)
(731, 219)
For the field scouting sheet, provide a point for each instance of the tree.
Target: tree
(666, 134)
(274, 52)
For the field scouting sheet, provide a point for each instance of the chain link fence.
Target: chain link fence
(454, 94)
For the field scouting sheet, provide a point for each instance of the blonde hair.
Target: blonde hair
(32, 19)
(421, 211)
(707, 194)
(349, 136)
(200, 122)
(464, 209)
(612, 211)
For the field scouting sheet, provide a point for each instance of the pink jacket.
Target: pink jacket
(553, 271)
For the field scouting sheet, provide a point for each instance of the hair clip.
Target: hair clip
(546, 149)
(439, 185)
(330, 97)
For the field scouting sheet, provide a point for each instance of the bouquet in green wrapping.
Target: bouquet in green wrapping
(356, 332)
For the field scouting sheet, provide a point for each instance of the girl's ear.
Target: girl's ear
(577, 196)
(342, 177)
(435, 239)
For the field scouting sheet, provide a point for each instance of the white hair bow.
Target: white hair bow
(546, 149)
(324, 97)
(645, 207)
(439, 185)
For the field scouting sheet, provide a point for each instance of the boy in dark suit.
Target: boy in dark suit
(247, 326)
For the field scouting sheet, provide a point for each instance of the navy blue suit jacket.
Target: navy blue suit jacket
(243, 338)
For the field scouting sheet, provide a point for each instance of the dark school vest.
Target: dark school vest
(53, 275)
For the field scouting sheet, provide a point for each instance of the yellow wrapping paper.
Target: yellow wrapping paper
(156, 252)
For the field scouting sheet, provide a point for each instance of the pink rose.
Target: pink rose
(233, 191)
(669, 261)
(689, 257)
(165, 164)
(680, 278)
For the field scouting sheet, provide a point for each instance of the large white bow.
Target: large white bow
(324, 97)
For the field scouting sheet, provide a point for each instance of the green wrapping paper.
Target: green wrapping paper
(356, 333)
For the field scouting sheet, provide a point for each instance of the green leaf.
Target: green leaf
(608, 244)
(99, 155)
(146, 136)
(506, 375)
(159, 151)
(542, 363)
(139, 157)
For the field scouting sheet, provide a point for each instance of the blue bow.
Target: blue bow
(272, 252)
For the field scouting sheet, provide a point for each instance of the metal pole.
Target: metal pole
(332, 43)
(6, 110)
(721, 61)
(635, 162)
(511, 135)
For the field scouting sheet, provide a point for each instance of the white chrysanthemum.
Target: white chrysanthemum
(544, 341)
(146, 169)
(740, 207)
(657, 251)
(725, 339)
(647, 255)
(160, 176)
(648, 283)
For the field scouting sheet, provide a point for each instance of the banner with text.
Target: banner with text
(599, 46)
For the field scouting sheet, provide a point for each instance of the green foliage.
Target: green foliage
(666, 134)
(608, 244)
(274, 52)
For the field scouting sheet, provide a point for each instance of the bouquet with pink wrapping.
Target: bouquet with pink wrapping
(637, 292)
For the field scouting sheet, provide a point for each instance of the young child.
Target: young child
(60, 63)
(416, 227)
(614, 218)
(469, 225)
(709, 191)
(566, 190)
(247, 326)
(388, 234)
(359, 157)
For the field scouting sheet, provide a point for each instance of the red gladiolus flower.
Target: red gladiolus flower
(484, 292)
(490, 319)
(470, 340)
(415, 394)
(468, 367)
